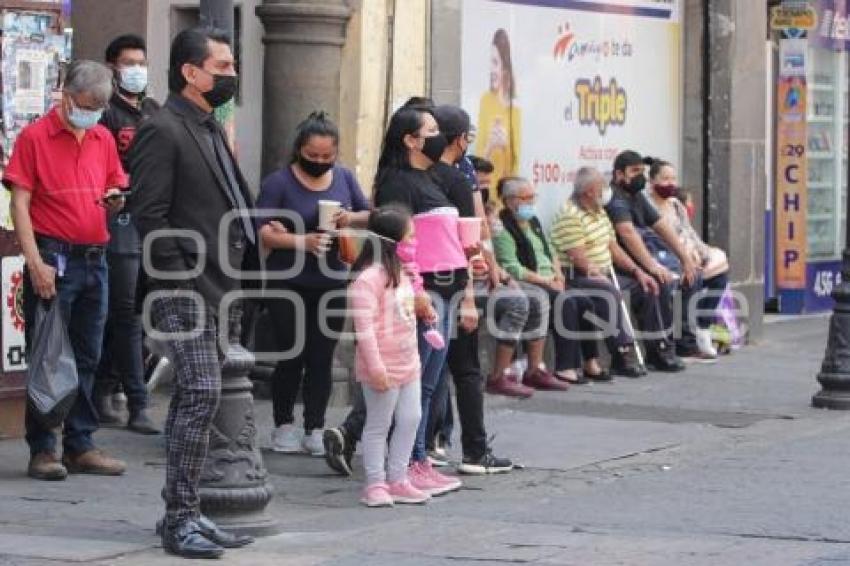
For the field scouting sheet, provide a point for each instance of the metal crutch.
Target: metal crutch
(627, 317)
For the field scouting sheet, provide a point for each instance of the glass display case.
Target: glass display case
(827, 152)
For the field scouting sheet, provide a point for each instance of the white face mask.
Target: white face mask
(134, 79)
(607, 195)
(83, 119)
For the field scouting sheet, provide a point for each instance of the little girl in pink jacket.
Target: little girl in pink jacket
(387, 358)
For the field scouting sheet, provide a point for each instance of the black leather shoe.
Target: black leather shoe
(663, 358)
(220, 537)
(626, 364)
(141, 423)
(212, 532)
(187, 540)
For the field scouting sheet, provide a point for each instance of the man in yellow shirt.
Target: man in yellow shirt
(587, 245)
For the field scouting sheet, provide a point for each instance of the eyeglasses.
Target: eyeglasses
(529, 199)
(470, 137)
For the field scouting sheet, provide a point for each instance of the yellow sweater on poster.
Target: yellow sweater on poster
(498, 135)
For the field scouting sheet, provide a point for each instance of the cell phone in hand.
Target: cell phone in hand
(115, 196)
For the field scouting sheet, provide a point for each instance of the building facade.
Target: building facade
(691, 86)
(691, 81)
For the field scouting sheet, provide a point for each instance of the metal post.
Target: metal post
(834, 376)
(234, 486)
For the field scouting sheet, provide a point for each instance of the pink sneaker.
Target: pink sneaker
(451, 483)
(377, 495)
(404, 492)
(419, 476)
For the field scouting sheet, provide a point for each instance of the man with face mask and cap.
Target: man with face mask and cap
(122, 361)
(185, 181)
(630, 210)
(462, 359)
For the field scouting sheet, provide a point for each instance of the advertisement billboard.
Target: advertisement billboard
(553, 85)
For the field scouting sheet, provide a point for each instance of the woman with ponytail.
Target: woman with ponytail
(304, 263)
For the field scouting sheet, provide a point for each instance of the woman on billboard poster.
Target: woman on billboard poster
(499, 119)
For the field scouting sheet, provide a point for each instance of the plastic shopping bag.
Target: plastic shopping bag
(727, 332)
(53, 382)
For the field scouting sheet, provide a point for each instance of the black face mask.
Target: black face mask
(223, 90)
(314, 168)
(434, 147)
(636, 185)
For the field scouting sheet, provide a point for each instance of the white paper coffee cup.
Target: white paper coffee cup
(327, 210)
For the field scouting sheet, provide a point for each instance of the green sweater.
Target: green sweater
(505, 250)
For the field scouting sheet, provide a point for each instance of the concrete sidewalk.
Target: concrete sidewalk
(724, 464)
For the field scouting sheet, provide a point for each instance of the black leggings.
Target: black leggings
(312, 361)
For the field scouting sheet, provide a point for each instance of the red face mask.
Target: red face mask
(666, 191)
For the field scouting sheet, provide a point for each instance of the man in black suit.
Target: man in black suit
(186, 179)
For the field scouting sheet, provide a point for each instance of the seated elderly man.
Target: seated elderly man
(587, 246)
(525, 252)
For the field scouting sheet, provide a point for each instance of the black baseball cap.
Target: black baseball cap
(627, 159)
(453, 120)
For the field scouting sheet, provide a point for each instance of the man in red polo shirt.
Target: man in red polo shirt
(62, 171)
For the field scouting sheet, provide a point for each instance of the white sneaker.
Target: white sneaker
(705, 344)
(313, 444)
(287, 439)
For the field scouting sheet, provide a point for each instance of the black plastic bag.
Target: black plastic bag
(53, 382)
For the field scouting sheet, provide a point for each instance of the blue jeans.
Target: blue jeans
(710, 298)
(433, 362)
(82, 293)
(442, 412)
(706, 293)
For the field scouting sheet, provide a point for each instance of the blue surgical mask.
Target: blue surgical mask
(83, 119)
(134, 79)
(526, 212)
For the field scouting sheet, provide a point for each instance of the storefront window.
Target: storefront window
(827, 151)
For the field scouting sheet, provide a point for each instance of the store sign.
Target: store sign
(792, 57)
(554, 85)
(791, 179)
(785, 18)
(823, 278)
(14, 345)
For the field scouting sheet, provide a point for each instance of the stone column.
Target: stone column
(735, 123)
(303, 40)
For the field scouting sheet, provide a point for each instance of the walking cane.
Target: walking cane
(627, 317)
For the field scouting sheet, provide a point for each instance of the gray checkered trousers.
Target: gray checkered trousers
(196, 394)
